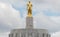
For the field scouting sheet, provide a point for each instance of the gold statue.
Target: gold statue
(29, 6)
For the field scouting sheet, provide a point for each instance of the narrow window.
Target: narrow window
(23, 35)
(16, 35)
(47, 35)
(9, 35)
(43, 34)
(37, 34)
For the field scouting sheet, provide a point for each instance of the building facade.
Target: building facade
(29, 31)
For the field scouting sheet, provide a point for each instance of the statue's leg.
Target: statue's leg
(30, 11)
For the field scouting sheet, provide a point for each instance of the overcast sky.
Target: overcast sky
(46, 15)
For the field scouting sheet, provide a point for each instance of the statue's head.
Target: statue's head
(29, 2)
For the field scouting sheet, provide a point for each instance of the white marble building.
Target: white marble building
(29, 31)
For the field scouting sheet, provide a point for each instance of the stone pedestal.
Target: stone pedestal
(29, 22)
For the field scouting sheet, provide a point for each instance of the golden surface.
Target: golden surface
(29, 7)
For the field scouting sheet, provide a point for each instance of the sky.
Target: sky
(46, 15)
